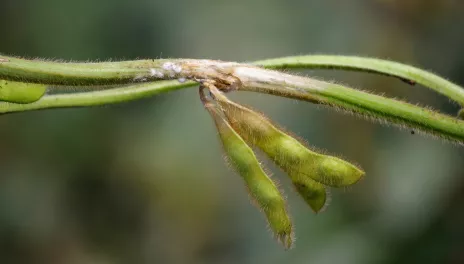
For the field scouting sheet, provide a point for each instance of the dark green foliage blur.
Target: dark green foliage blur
(144, 182)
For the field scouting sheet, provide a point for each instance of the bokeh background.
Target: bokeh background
(145, 182)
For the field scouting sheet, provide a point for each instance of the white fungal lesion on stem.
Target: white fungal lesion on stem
(199, 71)
(231, 76)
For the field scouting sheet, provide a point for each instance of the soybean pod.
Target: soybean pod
(307, 169)
(314, 193)
(261, 188)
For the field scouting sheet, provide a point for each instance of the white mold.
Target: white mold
(168, 66)
(156, 73)
(176, 68)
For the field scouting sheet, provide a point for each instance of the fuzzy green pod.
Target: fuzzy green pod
(287, 152)
(314, 193)
(21, 93)
(261, 188)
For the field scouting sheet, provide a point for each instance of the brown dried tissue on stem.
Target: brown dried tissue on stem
(231, 76)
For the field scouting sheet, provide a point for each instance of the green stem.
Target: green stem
(61, 73)
(95, 98)
(405, 72)
(351, 100)
(377, 107)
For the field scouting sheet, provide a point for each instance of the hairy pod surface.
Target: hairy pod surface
(261, 188)
(22, 93)
(314, 193)
(287, 152)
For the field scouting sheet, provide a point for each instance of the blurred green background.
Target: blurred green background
(145, 182)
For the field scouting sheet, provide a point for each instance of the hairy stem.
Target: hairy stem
(61, 73)
(94, 98)
(405, 72)
(227, 76)
(355, 101)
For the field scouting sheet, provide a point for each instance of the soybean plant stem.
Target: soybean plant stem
(227, 76)
(405, 72)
